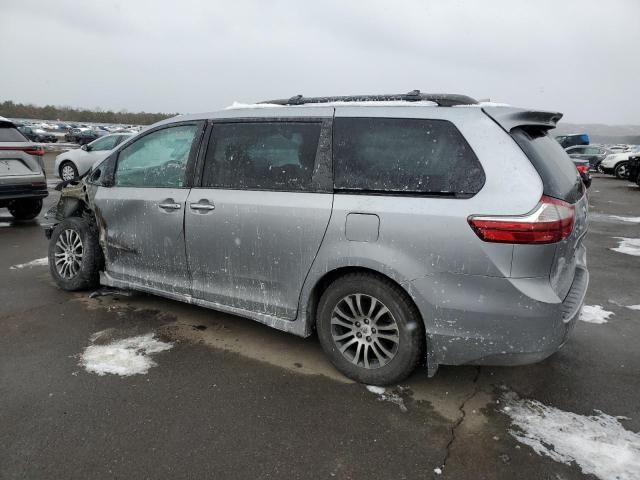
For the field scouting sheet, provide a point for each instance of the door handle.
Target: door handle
(170, 206)
(201, 206)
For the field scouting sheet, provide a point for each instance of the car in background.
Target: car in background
(583, 167)
(633, 168)
(37, 134)
(84, 135)
(615, 164)
(573, 139)
(72, 164)
(620, 148)
(23, 183)
(593, 153)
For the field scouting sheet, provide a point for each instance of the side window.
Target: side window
(404, 156)
(575, 151)
(262, 156)
(158, 159)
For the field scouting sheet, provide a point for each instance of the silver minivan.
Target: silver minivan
(403, 229)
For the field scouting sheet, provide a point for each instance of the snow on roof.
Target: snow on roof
(386, 103)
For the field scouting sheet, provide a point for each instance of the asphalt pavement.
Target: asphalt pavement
(235, 399)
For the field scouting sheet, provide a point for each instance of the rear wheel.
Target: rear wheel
(75, 257)
(68, 171)
(621, 171)
(370, 329)
(26, 209)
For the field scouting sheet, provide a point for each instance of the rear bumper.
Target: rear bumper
(496, 321)
(17, 191)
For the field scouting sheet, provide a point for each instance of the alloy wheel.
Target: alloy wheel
(68, 172)
(365, 331)
(68, 254)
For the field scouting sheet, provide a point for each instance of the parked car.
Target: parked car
(23, 183)
(37, 134)
(84, 135)
(72, 164)
(593, 153)
(633, 168)
(583, 167)
(398, 231)
(615, 164)
(573, 139)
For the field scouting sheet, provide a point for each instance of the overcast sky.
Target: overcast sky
(579, 57)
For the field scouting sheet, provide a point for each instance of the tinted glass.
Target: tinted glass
(11, 134)
(404, 155)
(262, 156)
(158, 159)
(559, 176)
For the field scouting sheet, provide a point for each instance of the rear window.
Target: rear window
(399, 155)
(10, 134)
(559, 176)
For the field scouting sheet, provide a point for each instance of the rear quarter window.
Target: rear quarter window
(398, 155)
(11, 134)
(559, 176)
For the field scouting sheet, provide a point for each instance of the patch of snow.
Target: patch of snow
(376, 390)
(236, 105)
(129, 356)
(594, 314)
(370, 103)
(630, 246)
(38, 262)
(598, 443)
(626, 219)
(437, 471)
(385, 396)
(634, 307)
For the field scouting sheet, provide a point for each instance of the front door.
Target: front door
(256, 224)
(141, 216)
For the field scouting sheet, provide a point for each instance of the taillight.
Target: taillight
(582, 168)
(551, 221)
(37, 150)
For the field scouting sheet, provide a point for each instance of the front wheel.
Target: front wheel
(75, 257)
(26, 209)
(621, 171)
(370, 329)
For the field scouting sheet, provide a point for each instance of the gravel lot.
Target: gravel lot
(235, 399)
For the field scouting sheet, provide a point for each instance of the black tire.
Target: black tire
(70, 164)
(26, 209)
(402, 311)
(621, 171)
(87, 275)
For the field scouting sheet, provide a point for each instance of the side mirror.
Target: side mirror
(84, 147)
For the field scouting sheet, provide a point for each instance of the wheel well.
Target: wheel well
(66, 160)
(329, 277)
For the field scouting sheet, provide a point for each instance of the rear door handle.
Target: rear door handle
(170, 206)
(201, 206)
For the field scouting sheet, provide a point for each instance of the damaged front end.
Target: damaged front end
(76, 200)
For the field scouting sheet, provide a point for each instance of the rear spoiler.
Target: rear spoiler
(510, 118)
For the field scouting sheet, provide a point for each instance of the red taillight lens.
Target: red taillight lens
(551, 221)
(37, 150)
(582, 168)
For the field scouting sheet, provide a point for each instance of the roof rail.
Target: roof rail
(442, 99)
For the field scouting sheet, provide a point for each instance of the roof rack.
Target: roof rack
(442, 99)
